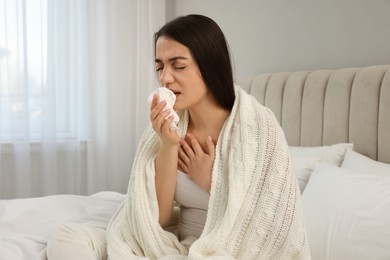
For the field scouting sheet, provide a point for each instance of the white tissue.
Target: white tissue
(170, 98)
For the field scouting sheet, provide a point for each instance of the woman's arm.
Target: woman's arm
(166, 170)
(166, 161)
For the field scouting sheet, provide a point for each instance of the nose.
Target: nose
(166, 77)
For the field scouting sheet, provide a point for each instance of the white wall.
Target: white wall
(270, 36)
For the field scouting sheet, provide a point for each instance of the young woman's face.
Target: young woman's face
(178, 71)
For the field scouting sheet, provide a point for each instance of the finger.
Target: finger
(157, 109)
(182, 166)
(160, 120)
(154, 101)
(211, 147)
(183, 156)
(187, 148)
(166, 125)
(179, 167)
(195, 144)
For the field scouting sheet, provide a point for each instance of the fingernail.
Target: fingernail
(163, 102)
(209, 139)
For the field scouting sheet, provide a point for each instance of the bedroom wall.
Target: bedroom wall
(270, 36)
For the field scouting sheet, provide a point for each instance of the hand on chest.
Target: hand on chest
(196, 159)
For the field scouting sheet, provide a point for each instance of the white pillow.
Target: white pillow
(333, 154)
(304, 159)
(356, 161)
(303, 168)
(347, 214)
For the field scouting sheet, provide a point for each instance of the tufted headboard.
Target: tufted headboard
(325, 107)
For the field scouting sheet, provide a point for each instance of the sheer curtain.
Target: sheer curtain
(74, 80)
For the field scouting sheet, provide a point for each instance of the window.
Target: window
(29, 103)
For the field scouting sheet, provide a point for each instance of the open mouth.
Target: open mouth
(177, 93)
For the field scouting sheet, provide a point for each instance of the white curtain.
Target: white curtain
(74, 79)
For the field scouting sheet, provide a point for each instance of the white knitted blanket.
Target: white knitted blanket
(254, 209)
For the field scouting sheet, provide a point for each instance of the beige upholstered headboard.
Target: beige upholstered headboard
(325, 107)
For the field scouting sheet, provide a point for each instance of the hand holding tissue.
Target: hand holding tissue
(170, 98)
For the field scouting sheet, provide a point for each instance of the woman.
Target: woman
(239, 198)
(227, 165)
(178, 71)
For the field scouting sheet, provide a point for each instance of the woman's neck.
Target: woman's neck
(207, 119)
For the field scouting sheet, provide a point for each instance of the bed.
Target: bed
(26, 224)
(337, 124)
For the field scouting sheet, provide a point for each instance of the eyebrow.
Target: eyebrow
(172, 59)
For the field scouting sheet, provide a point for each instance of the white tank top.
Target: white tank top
(194, 203)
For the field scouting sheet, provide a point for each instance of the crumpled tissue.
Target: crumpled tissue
(170, 98)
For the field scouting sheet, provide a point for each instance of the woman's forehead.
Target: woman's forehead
(168, 49)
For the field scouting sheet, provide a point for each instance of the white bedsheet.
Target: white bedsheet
(26, 224)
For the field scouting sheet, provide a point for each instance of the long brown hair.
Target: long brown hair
(207, 43)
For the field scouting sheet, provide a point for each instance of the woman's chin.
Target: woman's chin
(177, 107)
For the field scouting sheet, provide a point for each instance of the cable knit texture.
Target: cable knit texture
(254, 209)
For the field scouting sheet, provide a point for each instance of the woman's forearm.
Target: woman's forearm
(166, 170)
